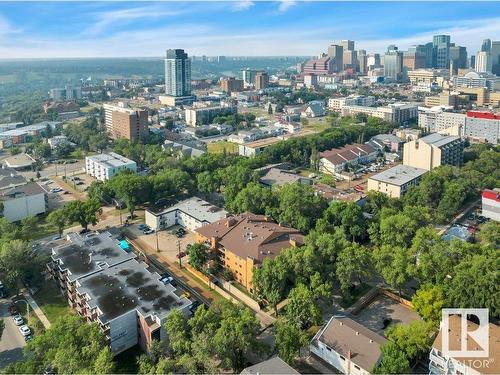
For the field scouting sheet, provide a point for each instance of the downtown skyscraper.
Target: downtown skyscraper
(177, 73)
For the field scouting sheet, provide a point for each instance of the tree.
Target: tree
(133, 189)
(480, 275)
(393, 361)
(198, 255)
(353, 263)
(2, 326)
(208, 182)
(178, 336)
(413, 339)
(70, 345)
(14, 262)
(84, 213)
(394, 264)
(270, 280)
(29, 225)
(289, 339)
(169, 184)
(104, 362)
(428, 302)
(302, 308)
(99, 142)
(489, 234)
(299, 206)
(58, 219)
(254, 198)
(397, 230)
(346, 215)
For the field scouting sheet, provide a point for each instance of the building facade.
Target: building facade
(124, 122)
(105, 166)
(396, 181)
(482, 127)
(177, 73)
(490, 204)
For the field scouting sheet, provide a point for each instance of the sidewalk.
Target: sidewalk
(36, 309)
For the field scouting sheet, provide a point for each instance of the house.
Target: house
(242, 242)
(443, 363)
(316, 108)
(21, 201)
(190, 213)
(59, 140)
(107, 285)
(181, 149)
(64, 110)
(336, 160)
(387, 143)
(490, 204)
(105, 166)
(19, 162)
(434, 150)
(348, 346)
(396, 181)
(272, 366)
(256, 148)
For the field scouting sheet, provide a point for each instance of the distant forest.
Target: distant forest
(38, 76)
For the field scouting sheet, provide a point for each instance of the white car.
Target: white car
(25, 330)
(18, 320)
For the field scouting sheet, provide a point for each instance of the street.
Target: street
(11, 342)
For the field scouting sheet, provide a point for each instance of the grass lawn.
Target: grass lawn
(219, 147)
(34, 323)
(317, 124)
(51, 302)
(358, 292)
(202, 285)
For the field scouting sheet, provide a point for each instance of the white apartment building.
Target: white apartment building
(490, 204)
(105, 166)
(25, 200)
(398, 113)
(440, 363)
(337, 104)
(482, 127)
(191, 213)
(395, 181)
(437, 119)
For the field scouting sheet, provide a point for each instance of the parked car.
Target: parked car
(186, 295)
(28, 338)
(18, 319)
(180, 255)
(194, 306)
(148, 231)
(83, 231)
(142, 226)
(167, 280)
(25, 330)
(56, 237)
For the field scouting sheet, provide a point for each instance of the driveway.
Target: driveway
(11, 342)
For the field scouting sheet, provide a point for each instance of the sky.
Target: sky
(61, 29)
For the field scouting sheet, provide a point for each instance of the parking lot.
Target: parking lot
(12, 342)
(168, 243)
(57, 195)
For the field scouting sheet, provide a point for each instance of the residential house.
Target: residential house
(336, 160)
(182, 150)
(348, 346)
(272, 366)
(316, 108)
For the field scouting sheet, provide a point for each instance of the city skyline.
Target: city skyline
(234, 28)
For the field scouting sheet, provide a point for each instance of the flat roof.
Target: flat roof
(438, 140)
(197, 208)
(87, 254)
(29, 128)
(19, 161)
(111, 159)
(130, 286)
(280, 177)
(10, 178)
(399, 175)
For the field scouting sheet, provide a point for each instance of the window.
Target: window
(357, 367)
(328, 348)
(342, 358)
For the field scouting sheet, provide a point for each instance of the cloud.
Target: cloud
(239, 6)
(286, 4)
(107, 18)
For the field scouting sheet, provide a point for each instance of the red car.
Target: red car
(180, 255)
(12, 309)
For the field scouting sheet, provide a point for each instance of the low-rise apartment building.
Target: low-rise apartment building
(490, 204)
(483, 126)
(105, 284)
(242, 243)
(440, 118)
(348, 346)
(398, 113)
(190, 213)
(124, 122)
(21, 201)
(396, 181)
(434, 150)
(205, 115)
(337, 104)
(336, 160)
(105, 166)
(441, 363)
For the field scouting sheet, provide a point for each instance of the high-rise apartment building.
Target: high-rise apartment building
(483, 62)
(177, 73)
(441, 55)
(123, 122)
(362, 61)
(231, 84)
(336, 54)
(261, 80)
(486, 46)
(495, 57)
(393, 65)
(458, 58)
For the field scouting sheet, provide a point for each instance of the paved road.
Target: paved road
(12, 342)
